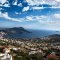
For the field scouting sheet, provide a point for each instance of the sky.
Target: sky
(30, 14)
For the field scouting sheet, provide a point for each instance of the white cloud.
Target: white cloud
(57, 16)
(15, 3)
(27, 18)
(6, 5)
(48, 20)
(35, 2)
(3, 1)
(58, 0)
(36, 8)
(5, 15)
(54, 3)
(26, 8)
(20, 4)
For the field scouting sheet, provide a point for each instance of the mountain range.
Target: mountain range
(10, 32)
(13, 30)
(20, 32)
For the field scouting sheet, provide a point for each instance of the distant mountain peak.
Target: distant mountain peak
(14, 30)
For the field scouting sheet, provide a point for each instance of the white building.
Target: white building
(5, 57)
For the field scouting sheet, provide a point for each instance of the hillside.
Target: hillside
(11, 32)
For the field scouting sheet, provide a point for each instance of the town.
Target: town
(29, 49)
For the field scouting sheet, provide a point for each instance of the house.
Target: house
(52, 56)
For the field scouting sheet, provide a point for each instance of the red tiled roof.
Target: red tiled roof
(51, 56)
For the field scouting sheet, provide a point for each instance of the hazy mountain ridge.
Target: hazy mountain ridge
(14, 30)
(54, 38)
(20, 32)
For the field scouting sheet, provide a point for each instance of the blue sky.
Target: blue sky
(30, 14)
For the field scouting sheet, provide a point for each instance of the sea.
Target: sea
(35, 34)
